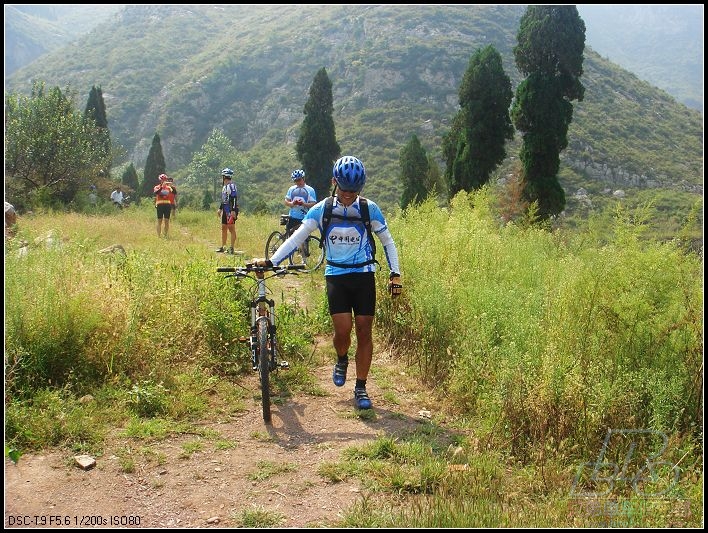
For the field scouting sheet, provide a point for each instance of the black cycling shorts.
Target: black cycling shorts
(163, 211)
(292, 225)
(352, 292)
(224, 217)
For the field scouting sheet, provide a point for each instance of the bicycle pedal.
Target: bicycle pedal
(284, 365)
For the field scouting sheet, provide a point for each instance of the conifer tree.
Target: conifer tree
(551, 41)
(483, 125)
(414, 172)
(154, 166)
(96, 110)
(317, 147)
(130, 180)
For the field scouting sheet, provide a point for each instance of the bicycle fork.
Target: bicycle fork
(263, 308)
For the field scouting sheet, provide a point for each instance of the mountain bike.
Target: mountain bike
(309, 253)
(263, 341)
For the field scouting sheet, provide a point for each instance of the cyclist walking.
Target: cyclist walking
(299, 198)
(228, 210)
(350, 270)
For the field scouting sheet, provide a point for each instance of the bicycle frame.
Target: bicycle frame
(262, 308)
(309, 252)
(263, 342)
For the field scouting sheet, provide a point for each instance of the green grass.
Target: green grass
(191, 447)
(534, 342)
(153, 331)
(411, 482)
(268, 469)
(259, 517)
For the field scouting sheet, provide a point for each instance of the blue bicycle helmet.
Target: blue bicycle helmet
(227, 173)
(297, 174)
(349, 173)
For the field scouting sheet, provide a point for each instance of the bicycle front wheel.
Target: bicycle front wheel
(274, 241)
(309, 254)
(264, 365)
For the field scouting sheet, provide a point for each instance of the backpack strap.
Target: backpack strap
(326, 219)
(365, 219)
(233, 196)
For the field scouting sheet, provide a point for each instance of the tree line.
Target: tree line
(52, 151)
(549, 52)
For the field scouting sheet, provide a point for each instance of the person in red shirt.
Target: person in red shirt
(171, 181)
(164, 198)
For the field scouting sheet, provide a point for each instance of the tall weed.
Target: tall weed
(78, 319)
(547, 336)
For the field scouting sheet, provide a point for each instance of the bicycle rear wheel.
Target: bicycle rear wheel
(264, 365)
(274, 241)
(309, 254)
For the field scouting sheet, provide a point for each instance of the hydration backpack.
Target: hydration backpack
(365, 219)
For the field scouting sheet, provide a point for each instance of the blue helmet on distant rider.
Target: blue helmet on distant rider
(297, 174)
(349, 173)
(227, 173)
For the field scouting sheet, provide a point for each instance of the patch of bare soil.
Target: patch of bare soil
(211, 487)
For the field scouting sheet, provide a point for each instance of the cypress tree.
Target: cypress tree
(154, 166)
(130, 180)
(414, 172)
(317, 147)
(96, 108)
(96, 111)
(483, 125)
(551, 41)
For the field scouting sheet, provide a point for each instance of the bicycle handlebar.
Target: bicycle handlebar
(250, 267)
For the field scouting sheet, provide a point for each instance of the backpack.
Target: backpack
(232, 199)
(365, 219)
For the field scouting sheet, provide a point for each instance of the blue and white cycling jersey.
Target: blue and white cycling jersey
(229, 197)
(306, 194)
(347, 241)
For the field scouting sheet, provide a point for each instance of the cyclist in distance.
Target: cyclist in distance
(299, 198)
(228, 210)
(350, 270)
(164, 196)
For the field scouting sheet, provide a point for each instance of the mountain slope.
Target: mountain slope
(184, 70)
(34, 30)
(660, 43)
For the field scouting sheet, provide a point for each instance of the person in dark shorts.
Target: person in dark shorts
(228, 210)
(350, 270)
(164, 197)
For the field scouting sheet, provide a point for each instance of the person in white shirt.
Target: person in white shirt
(117, 197)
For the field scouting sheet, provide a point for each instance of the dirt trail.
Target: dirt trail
(211, 488)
